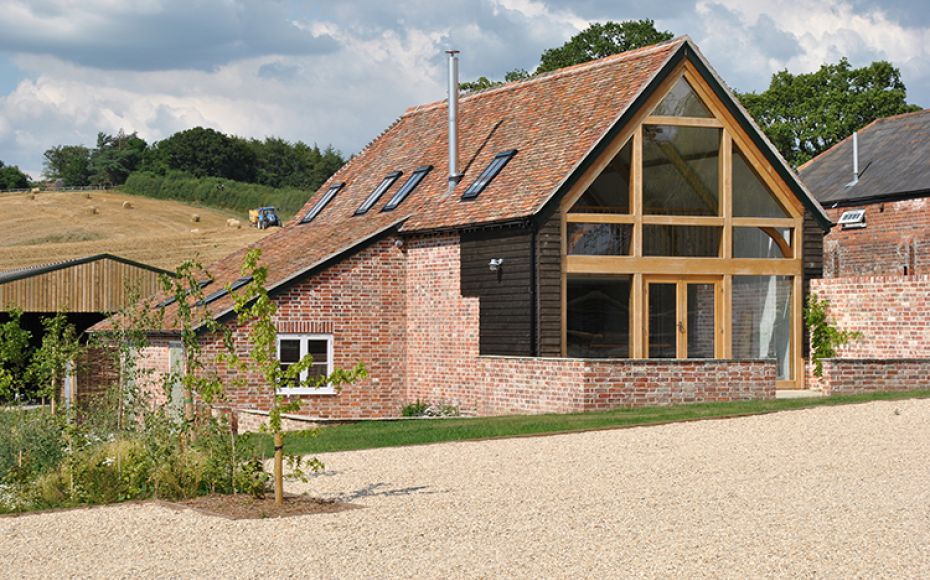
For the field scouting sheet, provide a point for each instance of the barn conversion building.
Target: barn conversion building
(614, 233)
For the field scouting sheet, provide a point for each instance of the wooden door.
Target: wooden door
(683, 317)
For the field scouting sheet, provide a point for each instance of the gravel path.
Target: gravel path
(839, 491)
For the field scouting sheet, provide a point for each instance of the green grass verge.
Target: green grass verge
(373, 434)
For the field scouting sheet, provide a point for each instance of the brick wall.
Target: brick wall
(897, 236)
(444, 365)
(361, 302)
(842, 376)
(892, 312)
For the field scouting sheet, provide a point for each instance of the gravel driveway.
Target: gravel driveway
(823, 492)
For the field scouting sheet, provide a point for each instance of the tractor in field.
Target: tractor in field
(264, 217)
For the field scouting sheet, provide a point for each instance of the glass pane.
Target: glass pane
(598, 317)
(751, 196)
(610, 192)
(681, 101)
(663, 320)
(316, 371)
(289, 351)
(762, 319)
(680, 170)
(682, 241)
(599, 239)
(317, 348)
(701, 320)
(761, 242)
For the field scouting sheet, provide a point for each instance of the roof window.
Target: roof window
(172, 299)
(214, 296)
(412, 182)
(318, 207)
(489, 173)
(852, 219)
(385, 184)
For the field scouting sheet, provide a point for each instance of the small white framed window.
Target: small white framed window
(292, 348)
(852, 219)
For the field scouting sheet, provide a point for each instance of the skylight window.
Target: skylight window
(214, 296)
(412, 182)
(318, 207)
(490, 172)
(171, 300)
(853, 219)
(385, 184)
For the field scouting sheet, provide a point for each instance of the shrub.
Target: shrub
(31, 443)
(825, 336)
(216, 192)
(417, 409)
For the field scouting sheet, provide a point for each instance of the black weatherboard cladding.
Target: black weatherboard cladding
(506, 295)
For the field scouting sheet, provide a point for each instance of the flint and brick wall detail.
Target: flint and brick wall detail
(360, 301)
(895, 241)
(842, 376)
(891, 312)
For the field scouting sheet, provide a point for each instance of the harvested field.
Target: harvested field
(827, 492)
(60, 225)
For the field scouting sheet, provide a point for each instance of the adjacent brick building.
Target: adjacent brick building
(876, 265)
(617, 233)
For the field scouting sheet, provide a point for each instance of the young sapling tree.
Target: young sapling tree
(256, 311)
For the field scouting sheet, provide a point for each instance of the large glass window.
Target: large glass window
(681, 241)
(610, 192)
(599, 239)
(598, 323)
(681, 170)
(663, 320)
(762, 319)
(751, 196)
(768, 242)
(682, 101)
(702, 322)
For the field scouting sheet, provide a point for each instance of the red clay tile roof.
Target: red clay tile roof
(553, 121)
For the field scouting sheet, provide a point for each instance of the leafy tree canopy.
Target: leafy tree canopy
(204, 153)
(12, 178)
(69, 163)
(596, 41)
(115, 157)
(806, 114)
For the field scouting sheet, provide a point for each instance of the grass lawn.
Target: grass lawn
(371, 434)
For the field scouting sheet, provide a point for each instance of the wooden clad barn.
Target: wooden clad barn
(95, 284)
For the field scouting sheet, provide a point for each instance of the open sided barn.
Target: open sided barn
(85, 289)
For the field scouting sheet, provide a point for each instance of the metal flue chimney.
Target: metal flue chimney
(454, 175)
(855, 140)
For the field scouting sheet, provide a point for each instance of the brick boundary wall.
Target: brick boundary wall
(891, 312)
(847, 376)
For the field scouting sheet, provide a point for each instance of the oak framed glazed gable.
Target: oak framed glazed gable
(638, 269)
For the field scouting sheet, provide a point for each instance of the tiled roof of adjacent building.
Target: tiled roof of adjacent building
(555, 122)
(894, 161)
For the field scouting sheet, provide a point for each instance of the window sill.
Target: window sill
(307, 391)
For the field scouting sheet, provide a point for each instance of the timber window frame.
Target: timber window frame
(304, 346)
(783, 261)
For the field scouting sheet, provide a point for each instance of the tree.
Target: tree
(596, 41)
(205, 153)
(50, 362)
(69, 163)
(14, 356)
(115, 157)
(12, 178)
(256, 311)
(806, 114)
(600, 40)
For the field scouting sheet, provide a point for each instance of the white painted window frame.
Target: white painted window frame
(304, 338)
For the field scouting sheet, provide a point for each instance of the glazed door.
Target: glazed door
(682, 317)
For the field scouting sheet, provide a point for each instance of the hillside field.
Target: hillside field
(59, 226)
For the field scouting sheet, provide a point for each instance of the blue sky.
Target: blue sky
(340, 71)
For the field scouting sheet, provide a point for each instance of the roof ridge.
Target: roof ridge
(555, 74)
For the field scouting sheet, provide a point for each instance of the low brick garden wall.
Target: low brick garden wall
(847, 376)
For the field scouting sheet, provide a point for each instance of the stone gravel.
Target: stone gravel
(841, 491)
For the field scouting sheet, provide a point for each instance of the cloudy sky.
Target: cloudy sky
(339, 71)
